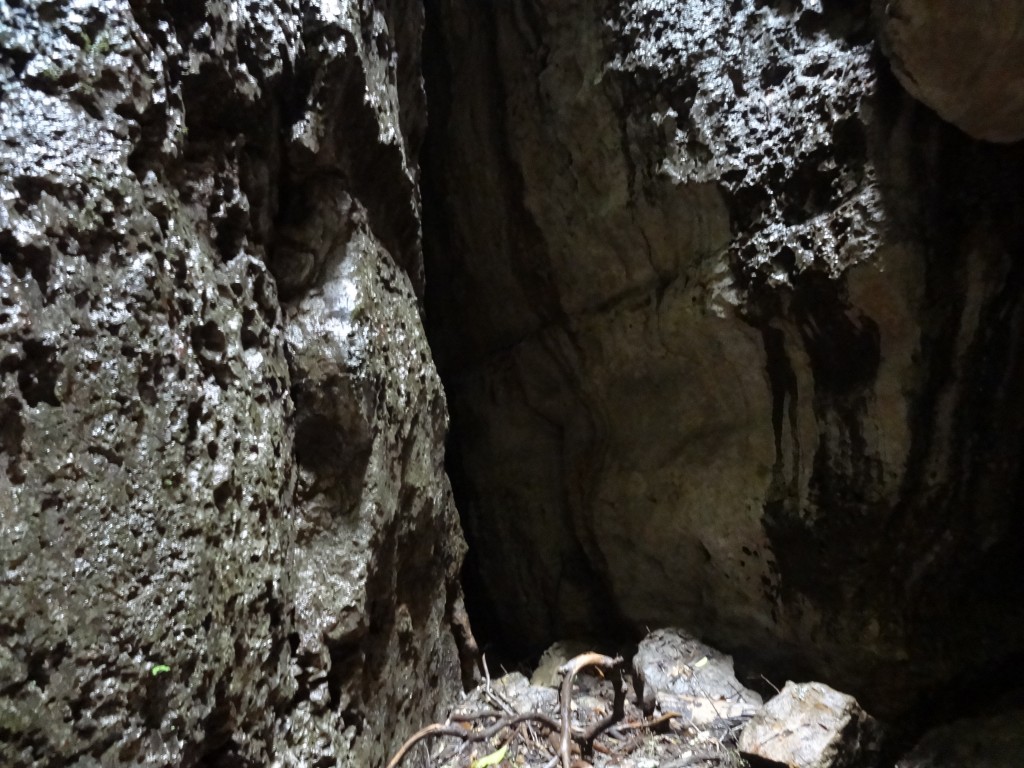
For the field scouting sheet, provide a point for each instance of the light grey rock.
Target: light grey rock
(675, 672)
(993, 741)
(221, 430)
(809, 725)
(965, 63)
(513, 690)
(702, 702)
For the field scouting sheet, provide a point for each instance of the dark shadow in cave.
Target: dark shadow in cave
(483, 612)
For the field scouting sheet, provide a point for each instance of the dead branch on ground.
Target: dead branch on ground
(444, 729)
(570, 669)
(563, 725)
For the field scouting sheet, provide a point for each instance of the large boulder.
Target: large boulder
(965, 62)
(226, 534)
(729, 325)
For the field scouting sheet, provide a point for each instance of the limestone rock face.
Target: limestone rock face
(730, 328)
(221, 430)
(965, 62)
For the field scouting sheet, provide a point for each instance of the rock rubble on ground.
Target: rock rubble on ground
(686, 708)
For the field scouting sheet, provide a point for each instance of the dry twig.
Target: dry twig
(570, 669)
(563, 726)
(443, 729)
(652, 724)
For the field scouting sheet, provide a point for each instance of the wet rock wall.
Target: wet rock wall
(226, 533)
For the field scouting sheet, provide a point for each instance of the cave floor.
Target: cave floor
(660, 740)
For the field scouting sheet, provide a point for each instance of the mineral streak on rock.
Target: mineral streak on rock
(221, 431)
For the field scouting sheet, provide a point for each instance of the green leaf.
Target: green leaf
(158, 669)
(492, 759)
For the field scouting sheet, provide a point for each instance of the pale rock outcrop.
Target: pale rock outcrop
(674, 672)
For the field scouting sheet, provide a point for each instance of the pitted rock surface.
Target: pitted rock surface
(727, 324)
(768, 105)
(206, 465)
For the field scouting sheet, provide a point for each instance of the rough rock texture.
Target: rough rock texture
(965, 62)
(731, 328)
(674, 672)
(992, 741)
(220, 426)
(809, 725)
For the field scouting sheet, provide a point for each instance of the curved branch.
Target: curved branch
(570, 669)
(441, 729)
(564, 725)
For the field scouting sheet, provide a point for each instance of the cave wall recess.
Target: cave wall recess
(729, 325)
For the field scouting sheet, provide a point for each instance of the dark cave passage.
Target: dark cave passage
(600, 387)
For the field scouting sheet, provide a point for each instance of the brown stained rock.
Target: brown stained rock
(965, 62)
(809, 725)
(548, 670)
